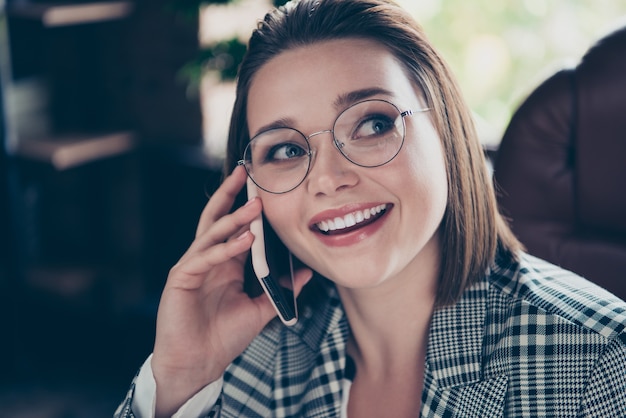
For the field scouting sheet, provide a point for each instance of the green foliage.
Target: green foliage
(223, 57)
(501, 50)
(190, 8)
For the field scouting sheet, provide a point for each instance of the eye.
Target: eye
(277, 146)
(373, 126)
(285, 151)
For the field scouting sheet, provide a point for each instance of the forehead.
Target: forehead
(313, 78)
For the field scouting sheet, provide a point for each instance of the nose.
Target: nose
(330, 171)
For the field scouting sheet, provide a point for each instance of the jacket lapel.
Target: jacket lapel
(324, 396)
(454, 384)
(310, 369)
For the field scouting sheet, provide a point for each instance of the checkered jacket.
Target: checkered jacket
(530, 340)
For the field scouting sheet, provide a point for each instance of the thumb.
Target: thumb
(301, 277)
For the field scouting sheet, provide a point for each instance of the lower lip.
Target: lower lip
(355, 236)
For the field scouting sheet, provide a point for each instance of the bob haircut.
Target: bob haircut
(472, 229)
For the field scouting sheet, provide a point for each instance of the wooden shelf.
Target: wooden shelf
(64, 14)
(71, 151)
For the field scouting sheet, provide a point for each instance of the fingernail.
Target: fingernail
(250, 201)
(242, 236)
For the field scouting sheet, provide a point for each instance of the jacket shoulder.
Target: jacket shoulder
(561, 293)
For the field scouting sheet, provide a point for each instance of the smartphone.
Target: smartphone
(268, 272)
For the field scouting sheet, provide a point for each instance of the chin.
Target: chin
(356, 279)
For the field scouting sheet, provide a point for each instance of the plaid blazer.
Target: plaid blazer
(529, 340)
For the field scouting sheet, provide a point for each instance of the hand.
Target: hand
(205, 318)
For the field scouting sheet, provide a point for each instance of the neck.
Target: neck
(390, 323)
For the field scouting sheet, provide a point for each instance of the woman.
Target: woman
(421, 300)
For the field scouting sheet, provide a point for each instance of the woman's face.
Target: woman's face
(306, 88)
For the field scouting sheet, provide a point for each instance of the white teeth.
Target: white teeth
(339, 223)
(350, 219)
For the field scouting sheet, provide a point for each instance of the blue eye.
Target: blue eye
(373, 126)
(285, 151)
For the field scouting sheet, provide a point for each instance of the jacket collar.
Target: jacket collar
(455, 342)
(455, 383)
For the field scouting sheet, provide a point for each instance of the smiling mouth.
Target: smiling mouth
(351, 221)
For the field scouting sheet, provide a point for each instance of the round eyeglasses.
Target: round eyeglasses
(369, 134)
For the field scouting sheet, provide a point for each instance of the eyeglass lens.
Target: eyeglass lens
(369, 134)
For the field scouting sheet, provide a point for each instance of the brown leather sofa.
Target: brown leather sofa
(560, 170)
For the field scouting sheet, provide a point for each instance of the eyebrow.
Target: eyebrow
(347, 99)
(341, 102)
(277, 124)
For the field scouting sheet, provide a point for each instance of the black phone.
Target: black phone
(276, 283)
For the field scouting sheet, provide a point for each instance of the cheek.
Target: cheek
(282, 214)
(425, 159)
(428, 176)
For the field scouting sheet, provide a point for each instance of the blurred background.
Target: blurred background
(113, 117)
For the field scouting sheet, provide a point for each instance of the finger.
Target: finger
(222, 200)
(200, 262)
(227, 227)
(301, 277)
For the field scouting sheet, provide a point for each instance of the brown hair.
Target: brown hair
(471, 228)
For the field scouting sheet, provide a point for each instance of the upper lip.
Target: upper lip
(346, 216)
